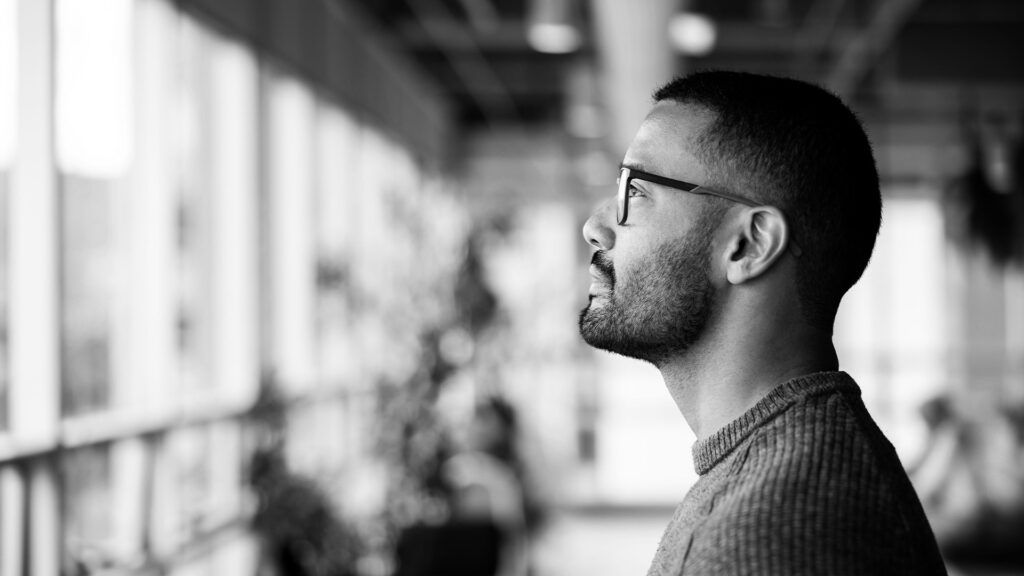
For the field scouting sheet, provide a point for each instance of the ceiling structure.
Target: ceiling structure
(537, 125)
(478, 50)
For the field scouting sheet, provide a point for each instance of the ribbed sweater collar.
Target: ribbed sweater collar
(713, 449)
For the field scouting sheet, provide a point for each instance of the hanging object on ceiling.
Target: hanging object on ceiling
(692, 34)
(989, 194)
(553, 26)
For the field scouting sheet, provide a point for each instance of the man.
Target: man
(746, 207)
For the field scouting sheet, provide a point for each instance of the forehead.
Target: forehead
(666, 141)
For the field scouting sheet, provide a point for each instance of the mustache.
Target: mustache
(603, 263)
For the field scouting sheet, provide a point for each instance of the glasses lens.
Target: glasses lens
(622, 197)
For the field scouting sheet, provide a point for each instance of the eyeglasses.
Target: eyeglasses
(627, 175)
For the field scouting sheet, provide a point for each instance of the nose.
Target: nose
(597, 230)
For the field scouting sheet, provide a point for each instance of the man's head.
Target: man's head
(792, 148)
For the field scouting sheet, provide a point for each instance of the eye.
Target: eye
(632, 191)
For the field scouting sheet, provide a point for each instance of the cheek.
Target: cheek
(641, 251)
(637, 277)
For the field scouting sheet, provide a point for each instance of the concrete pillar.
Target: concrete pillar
(636, 58)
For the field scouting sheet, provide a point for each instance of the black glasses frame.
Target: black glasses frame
(626, 175)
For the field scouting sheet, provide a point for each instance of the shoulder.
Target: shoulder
(815, 491)
(823, 456)
(827, 439)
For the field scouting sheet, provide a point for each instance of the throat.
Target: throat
(710, 392)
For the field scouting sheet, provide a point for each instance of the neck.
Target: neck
(718, 380)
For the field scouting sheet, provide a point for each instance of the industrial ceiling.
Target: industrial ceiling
(479, 52)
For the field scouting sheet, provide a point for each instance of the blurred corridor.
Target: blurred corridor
(291, 286)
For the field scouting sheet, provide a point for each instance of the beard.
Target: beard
(658, 308)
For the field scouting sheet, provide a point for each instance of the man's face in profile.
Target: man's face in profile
(651, 307)
(652, 294)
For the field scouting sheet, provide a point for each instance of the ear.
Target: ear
(759, 239)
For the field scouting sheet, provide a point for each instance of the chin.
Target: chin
(651, 338)
(599, 331)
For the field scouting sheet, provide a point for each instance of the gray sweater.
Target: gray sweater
(802, 483)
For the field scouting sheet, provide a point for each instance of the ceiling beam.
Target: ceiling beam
(510, 36)
(860, 54)
(818, 28)
(470, 66)
(523, 78)
(482, 14)
(505, 36)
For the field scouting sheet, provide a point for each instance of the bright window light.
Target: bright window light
(585, 121)
(692, 34)
(551, 26)
(94, 87)
(553, 38)
(234, 178)
(8, 80)
(291, 123)
(891, 330)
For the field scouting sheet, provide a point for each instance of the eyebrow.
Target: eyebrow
(634, 166)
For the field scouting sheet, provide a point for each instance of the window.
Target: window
(139, 234)
(234, 242)
(292, 282)
(159, 254)
(192, 209)
(88, 295)
(94, 129)
(8, 133)
(338, 138)
(88, 523)
(891, 331)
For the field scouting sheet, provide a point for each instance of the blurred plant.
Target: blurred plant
(301, 532)
(989, 196)
(413, 438)
(414, 441)
(333, 275)
(475, 302)
(434, 491)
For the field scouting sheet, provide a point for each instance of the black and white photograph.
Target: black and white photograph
(511, 287)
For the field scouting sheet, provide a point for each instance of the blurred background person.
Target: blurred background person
(495, 483)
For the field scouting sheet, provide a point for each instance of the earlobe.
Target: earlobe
(759, 242)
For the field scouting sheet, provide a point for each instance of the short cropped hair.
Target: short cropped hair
(798, 147)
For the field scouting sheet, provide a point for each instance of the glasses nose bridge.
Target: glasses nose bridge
(622, 196)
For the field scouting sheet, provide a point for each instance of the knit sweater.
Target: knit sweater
(802, 483)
